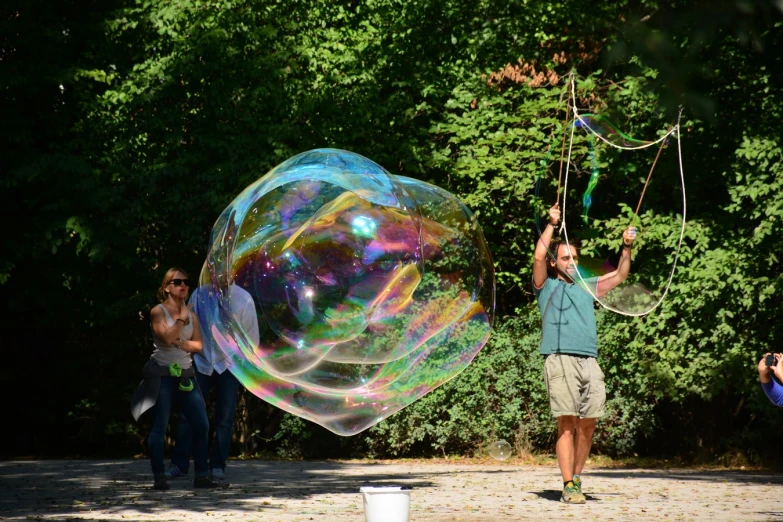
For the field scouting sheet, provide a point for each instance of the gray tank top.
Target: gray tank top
(166, 354)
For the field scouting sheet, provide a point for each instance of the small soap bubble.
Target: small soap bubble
(500, 450)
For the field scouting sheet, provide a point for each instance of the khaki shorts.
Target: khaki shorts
(575, 385)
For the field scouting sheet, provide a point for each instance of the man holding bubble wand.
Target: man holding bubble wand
(575, 382)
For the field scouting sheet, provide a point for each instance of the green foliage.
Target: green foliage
(130, 125)
(292, 437)
(501, 391)
(502, 395)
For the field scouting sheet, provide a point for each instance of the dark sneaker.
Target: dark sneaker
(572, 495)
(223, 482)
(160, 482)
(174, 472)
(209, 482)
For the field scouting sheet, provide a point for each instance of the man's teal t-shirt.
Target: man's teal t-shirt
(567, 318)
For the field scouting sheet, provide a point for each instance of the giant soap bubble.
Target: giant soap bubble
(370, 289)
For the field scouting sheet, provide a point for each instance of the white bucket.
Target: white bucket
(386, 504)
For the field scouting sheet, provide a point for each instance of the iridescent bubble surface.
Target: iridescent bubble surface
(599, 193)
(370, 289)
(607, 131)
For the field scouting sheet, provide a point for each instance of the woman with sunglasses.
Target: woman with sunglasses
(169, 378)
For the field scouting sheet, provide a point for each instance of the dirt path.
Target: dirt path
(329, 491)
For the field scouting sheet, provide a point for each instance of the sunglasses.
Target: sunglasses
(180, 282)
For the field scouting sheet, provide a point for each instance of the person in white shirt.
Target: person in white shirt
(212, 372)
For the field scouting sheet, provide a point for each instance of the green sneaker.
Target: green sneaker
(578, 482)
(572, 495)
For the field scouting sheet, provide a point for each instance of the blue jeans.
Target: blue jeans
(192, 407)
(226, 388)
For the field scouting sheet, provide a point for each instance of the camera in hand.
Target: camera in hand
(770, 360)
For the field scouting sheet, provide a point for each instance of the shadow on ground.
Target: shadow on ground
(328, 490)
(76, 486)
(708, 476)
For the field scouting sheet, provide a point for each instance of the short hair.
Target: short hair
(552, 250)
(162, 296)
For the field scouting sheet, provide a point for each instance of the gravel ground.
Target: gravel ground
(329, 491)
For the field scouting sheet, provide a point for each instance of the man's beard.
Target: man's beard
(568, 277)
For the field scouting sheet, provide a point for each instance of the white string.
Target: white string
(568, 166)
(564, 230)
(601, 137)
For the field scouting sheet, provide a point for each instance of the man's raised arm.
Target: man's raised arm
(612, 279)
(542, 247)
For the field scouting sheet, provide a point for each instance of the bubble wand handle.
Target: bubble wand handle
(562, 156)
(646, 183)
(562, 149)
